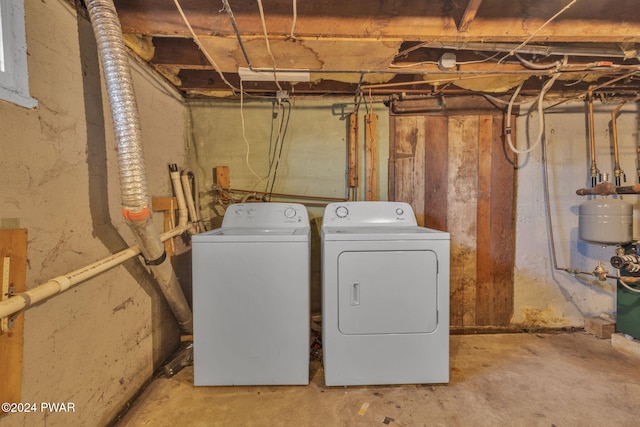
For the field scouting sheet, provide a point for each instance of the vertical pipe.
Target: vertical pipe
(353, 150)
(592, 140)
(617, 171)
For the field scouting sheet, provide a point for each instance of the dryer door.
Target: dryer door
(387, 292)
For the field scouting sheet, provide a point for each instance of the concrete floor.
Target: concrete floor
(496, 380)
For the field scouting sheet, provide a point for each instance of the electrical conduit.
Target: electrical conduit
(133, 184)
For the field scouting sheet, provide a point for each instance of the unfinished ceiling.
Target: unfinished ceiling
(385, 47)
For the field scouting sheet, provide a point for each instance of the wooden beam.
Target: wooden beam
(371, 156)
(13, 245)
(469, 15)
(353, 151)
(593, 21)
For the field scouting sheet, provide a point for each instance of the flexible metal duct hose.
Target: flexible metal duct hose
(113, 56)
(133, 183)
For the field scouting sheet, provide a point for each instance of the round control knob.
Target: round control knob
(342, 211)
(399, 211)
(290, 212)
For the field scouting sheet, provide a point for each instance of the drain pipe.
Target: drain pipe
(133, 184)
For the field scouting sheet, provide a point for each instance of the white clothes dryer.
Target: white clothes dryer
(251, 305)
(385, 292)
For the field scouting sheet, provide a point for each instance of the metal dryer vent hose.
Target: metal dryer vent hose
(133, 182)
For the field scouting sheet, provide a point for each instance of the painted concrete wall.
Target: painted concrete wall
(314, 157)
(545, 296)
(96, 344)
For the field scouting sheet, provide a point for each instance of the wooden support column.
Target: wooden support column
(353, 150)
(371, 156)
(13, 272)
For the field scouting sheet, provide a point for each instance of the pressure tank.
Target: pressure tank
(606, 221)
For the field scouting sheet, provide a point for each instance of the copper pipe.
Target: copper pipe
(617, 171)
(592, 140)
(608, 189)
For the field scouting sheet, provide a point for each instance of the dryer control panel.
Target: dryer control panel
(354, 214)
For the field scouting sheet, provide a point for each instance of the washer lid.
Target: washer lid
(250, 234)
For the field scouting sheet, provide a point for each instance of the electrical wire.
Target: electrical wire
(630, 288)
(266, 39)
(282, 134)
(548, 21)
(479, 61)
(295, 18)
(543, 91)
(196, 39)
(244, 136)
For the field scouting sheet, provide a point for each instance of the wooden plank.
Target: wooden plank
(436, 182)
(391, 166)
(484, 286)
(502, 20)
(164, 204)
(410, 165)
(371, 156)
(502, 242)
(462, 216)
(169, 206)
(13, 244)
(469, 15)
(221, 180)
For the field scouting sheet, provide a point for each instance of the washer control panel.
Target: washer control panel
(369, 213)
(266, 215)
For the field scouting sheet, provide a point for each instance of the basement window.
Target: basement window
(14, 79)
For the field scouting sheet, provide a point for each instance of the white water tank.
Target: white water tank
(606, 221)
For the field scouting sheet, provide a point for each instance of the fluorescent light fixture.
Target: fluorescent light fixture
(269, 76)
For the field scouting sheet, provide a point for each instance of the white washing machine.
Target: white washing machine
(385, 292)
(251, 297)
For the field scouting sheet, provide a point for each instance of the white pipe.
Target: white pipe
(183, 216)
(188, 195)
(543, 91)
(59, 284)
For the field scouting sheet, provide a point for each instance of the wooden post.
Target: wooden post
(371, 156)
(353, 150)
(13, 257)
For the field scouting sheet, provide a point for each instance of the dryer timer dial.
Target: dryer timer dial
(290, 212)
(342, 211)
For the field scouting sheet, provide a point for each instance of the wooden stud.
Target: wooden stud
(13, 244)
(469, 15)
(436, 178)
(371, 156)
(462, 209)
(353, 150)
